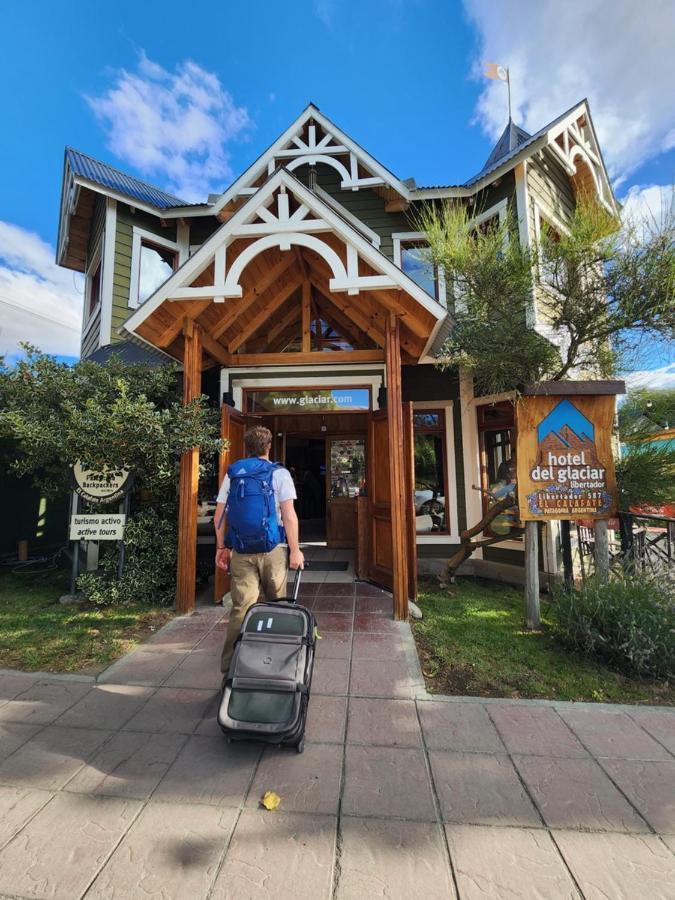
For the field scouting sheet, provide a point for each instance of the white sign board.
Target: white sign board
(102, 527)
(99, 487)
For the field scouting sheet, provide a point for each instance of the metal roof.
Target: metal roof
(131, 353)
(110, 177)
(511, 139)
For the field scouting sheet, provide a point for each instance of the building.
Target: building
(303, 293)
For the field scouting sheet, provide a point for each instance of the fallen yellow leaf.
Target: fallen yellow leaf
(271, 800)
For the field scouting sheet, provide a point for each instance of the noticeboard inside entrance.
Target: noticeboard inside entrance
(564, 457)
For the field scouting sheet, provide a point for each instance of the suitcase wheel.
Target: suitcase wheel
(300, 746)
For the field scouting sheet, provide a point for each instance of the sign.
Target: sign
(308, 400)
(101, 487)
(564, 457)
(103, 527)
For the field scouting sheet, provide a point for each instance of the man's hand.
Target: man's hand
(223, 557)
(296, 560)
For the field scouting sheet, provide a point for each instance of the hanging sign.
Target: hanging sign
(101, 487)
(564, 457)
(103, 527)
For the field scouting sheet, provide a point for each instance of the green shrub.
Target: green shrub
(149, 569)
(628, 621)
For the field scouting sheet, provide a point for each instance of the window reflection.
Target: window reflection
(156, 264)
(430, 472)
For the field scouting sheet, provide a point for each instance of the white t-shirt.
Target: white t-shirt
(282, 484)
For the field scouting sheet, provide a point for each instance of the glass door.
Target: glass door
(346, 465)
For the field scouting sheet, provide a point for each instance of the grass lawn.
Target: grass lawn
(37, 633)
(474, 643)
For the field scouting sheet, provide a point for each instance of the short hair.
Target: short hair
(258, 440)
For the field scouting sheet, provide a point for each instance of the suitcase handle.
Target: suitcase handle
(296, 585)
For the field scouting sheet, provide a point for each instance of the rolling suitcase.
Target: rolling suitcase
(266, 692)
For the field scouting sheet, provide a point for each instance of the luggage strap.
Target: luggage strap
(272, 687)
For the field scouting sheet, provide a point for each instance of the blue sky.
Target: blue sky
(400, 76)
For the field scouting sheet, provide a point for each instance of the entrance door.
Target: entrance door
(232, 427)
(381, 561)
(346, 467)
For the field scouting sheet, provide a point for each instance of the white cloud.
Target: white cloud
(663, 377)
(653, 203)
(39, 302)
(325, 10)
(172, 126)
(618, 54)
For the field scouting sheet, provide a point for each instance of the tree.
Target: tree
(595, 292)
(109, 416)
(647, 411)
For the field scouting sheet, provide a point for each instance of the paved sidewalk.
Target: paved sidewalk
(124, 787)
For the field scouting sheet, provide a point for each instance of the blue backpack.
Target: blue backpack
(253, 526)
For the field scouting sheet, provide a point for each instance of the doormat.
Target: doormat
(326, 566)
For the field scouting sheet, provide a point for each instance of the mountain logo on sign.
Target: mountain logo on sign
(566, 423)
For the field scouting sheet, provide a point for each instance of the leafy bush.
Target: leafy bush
(150, 565)
(628, 621)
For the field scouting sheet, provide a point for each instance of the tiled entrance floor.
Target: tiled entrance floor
(125, 787)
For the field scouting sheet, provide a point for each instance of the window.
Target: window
(94, 289)
(416, 264)
(496, 431)
(155, 265)
(430, 472)
(153, 259)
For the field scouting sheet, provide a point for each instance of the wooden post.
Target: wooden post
(566, 547)
(601, 549)
(186, 571)
(396, 466)
(532, 575)
(306, 317)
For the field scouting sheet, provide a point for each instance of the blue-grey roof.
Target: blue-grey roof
(110, 177)
(512, 137)
(130, 353)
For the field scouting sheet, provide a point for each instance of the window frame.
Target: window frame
(140, 237)
(451, 533)
(400, 239)
(95, 263)
(482, 429)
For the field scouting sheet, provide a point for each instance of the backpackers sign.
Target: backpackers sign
(564, 457)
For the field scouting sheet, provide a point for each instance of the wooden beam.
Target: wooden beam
(186, 570)
(169, 335)
(281, 326)
(217, 351)
(268, 307)
(305, 359)
(395, 206)
(359, 319)
(341, 322)
(306, 316)
(273, 275)
(399, 503)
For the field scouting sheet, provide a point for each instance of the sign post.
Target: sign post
(97, 488)
(565, 463)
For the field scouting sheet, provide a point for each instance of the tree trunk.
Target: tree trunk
(468, 546)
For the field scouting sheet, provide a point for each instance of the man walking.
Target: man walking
(256, 497)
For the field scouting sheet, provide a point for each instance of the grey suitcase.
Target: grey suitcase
(266, 692)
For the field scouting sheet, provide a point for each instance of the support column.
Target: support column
(306, 317)
(186, 571)
(392, 355)
(532, 575)
(601, 549)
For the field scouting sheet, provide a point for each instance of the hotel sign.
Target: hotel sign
(564, 457)
(308, 400)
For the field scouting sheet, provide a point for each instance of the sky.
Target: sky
(187, 97)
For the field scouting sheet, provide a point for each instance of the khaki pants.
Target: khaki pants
(251, 573)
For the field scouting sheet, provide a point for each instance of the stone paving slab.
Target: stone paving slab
(43, 701)
(106, 706)
(13, 685)
(508, 863)
(380, 678)
(60, 851)
(576, 793)
(535, 730)
(309, 782)
(660, 724)
(649, 786)
(612, 734)
(387, 781)
(619, 866)
(481, 789)
(131, 764)
(326, 719)
(208, 770)
(392, 859)
(177, 710)
(52, 757)
(169, 852)
(17, 806)
(13, 735)
(150, 667)
(281, 856)
(387, 723)
(459, 727)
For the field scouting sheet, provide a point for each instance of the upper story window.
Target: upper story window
(411, 256)
(153, 260)
(94, 288)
